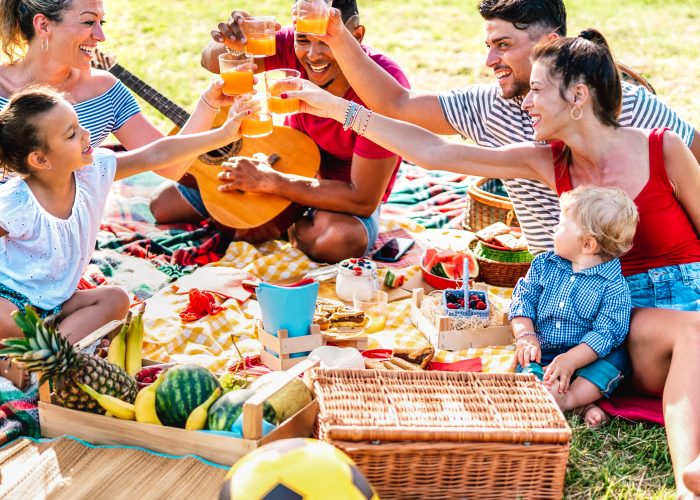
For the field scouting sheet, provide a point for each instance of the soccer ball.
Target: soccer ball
(296, 469)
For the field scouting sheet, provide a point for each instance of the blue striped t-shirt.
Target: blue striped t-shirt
(103, 114)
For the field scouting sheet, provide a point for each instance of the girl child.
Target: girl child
(50, 210)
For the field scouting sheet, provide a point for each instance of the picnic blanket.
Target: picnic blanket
(19, 414)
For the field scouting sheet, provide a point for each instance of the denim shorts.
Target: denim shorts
(606, 373)
(21, 301)
(670, 287)
(371, 223)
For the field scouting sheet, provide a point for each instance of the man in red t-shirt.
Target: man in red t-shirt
(355, 176)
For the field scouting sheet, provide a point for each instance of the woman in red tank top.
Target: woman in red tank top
(574, 104)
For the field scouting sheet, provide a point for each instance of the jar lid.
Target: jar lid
(357, 267)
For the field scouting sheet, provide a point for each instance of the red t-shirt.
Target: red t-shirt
(337, 146)
(665, 234)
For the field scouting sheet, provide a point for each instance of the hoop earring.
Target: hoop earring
(48, 166)
(42, 44)
(579, 116)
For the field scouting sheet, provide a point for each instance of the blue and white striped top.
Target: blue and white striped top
(103, 114)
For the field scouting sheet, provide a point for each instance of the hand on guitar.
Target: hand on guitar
(231, 33)
(316, 101)
(253, 175)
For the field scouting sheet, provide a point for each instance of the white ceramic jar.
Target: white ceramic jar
(355, 275)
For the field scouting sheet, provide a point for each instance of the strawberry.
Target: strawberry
(474, 297)
(147, 380)
(353, 261)
(481, 306)
(452, 306)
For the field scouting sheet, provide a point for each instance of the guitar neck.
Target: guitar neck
(170, 110)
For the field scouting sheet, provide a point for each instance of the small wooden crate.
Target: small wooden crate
(284, 346)
(443, 338)
(97, 429)
(446, 435)
(360, 343)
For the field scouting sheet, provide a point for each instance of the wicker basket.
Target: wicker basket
(485, 208)
(499, 273)
(446, 435)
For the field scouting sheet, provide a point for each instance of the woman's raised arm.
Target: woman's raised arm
(526, 160)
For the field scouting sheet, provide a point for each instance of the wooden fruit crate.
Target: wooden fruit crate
(96, 429)
(283, 345)
(442, 337)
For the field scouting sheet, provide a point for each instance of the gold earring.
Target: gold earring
(579, 116)
(42, 44)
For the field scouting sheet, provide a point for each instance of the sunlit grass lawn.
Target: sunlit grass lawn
(439, 43)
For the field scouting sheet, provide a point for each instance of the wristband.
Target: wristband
(354, 116)
(348, 114)
(525, 334)
(207, 104)
(366, 122)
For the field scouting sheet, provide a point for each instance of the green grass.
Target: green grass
(440, 45)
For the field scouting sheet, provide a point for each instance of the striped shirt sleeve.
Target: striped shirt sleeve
(467, 109)
(642, 109)
(124, 105)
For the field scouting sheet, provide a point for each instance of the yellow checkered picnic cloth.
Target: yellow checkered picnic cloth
(208, 342)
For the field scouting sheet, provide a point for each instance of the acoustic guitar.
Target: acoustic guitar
(251, 217)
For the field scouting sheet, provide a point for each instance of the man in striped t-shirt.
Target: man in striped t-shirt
(491, 115)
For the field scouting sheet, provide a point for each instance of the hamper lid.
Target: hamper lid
(377, 405)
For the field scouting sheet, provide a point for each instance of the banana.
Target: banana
(117, 407)
(145, 403)
(198, 418)
(117, 347)
(134, 343)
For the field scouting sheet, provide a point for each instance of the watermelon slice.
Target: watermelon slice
(446, 256)
(444, 270)
(473, 265)
(429, 259)
(459, 265)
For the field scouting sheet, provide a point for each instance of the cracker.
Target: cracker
(489, 233)
(511, 242)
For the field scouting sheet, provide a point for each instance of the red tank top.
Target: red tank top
(665, 235)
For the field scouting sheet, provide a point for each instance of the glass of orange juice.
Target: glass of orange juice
(237, 73)
(373, 303)
(260, 33)
(312, 16)
(259, 123)
(278, 81)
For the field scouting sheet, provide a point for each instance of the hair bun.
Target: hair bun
(595, 36)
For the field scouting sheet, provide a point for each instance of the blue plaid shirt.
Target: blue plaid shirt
(590, 307)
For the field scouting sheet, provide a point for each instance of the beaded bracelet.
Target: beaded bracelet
(357, 112)
(366, 122)
(525, 334)
(359, 120)
(348, 114)
(207, 104)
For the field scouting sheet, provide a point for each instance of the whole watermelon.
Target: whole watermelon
(224, 412)
(183, 389)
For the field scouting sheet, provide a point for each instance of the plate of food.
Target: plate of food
(335, 317)
(444, 269)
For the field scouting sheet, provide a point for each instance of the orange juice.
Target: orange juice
(261, 45)
(283, 106)
(237, 82)
(313, 24)
(257, 125)
(378, 323)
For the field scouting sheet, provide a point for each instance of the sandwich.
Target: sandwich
(349, 317)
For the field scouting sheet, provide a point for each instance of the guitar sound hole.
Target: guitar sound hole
(218, 156)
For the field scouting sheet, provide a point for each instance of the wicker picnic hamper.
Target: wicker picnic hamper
(446, 435)
(499, 273)
(485, 207)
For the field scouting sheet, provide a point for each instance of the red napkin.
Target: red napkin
(224, 281)
(466, 365)
(200, 304)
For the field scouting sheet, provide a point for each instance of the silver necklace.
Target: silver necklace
(30, 78)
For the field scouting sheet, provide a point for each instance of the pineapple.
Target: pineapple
(43, 349)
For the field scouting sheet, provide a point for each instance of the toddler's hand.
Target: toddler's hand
(527, 349)
(562, 368)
